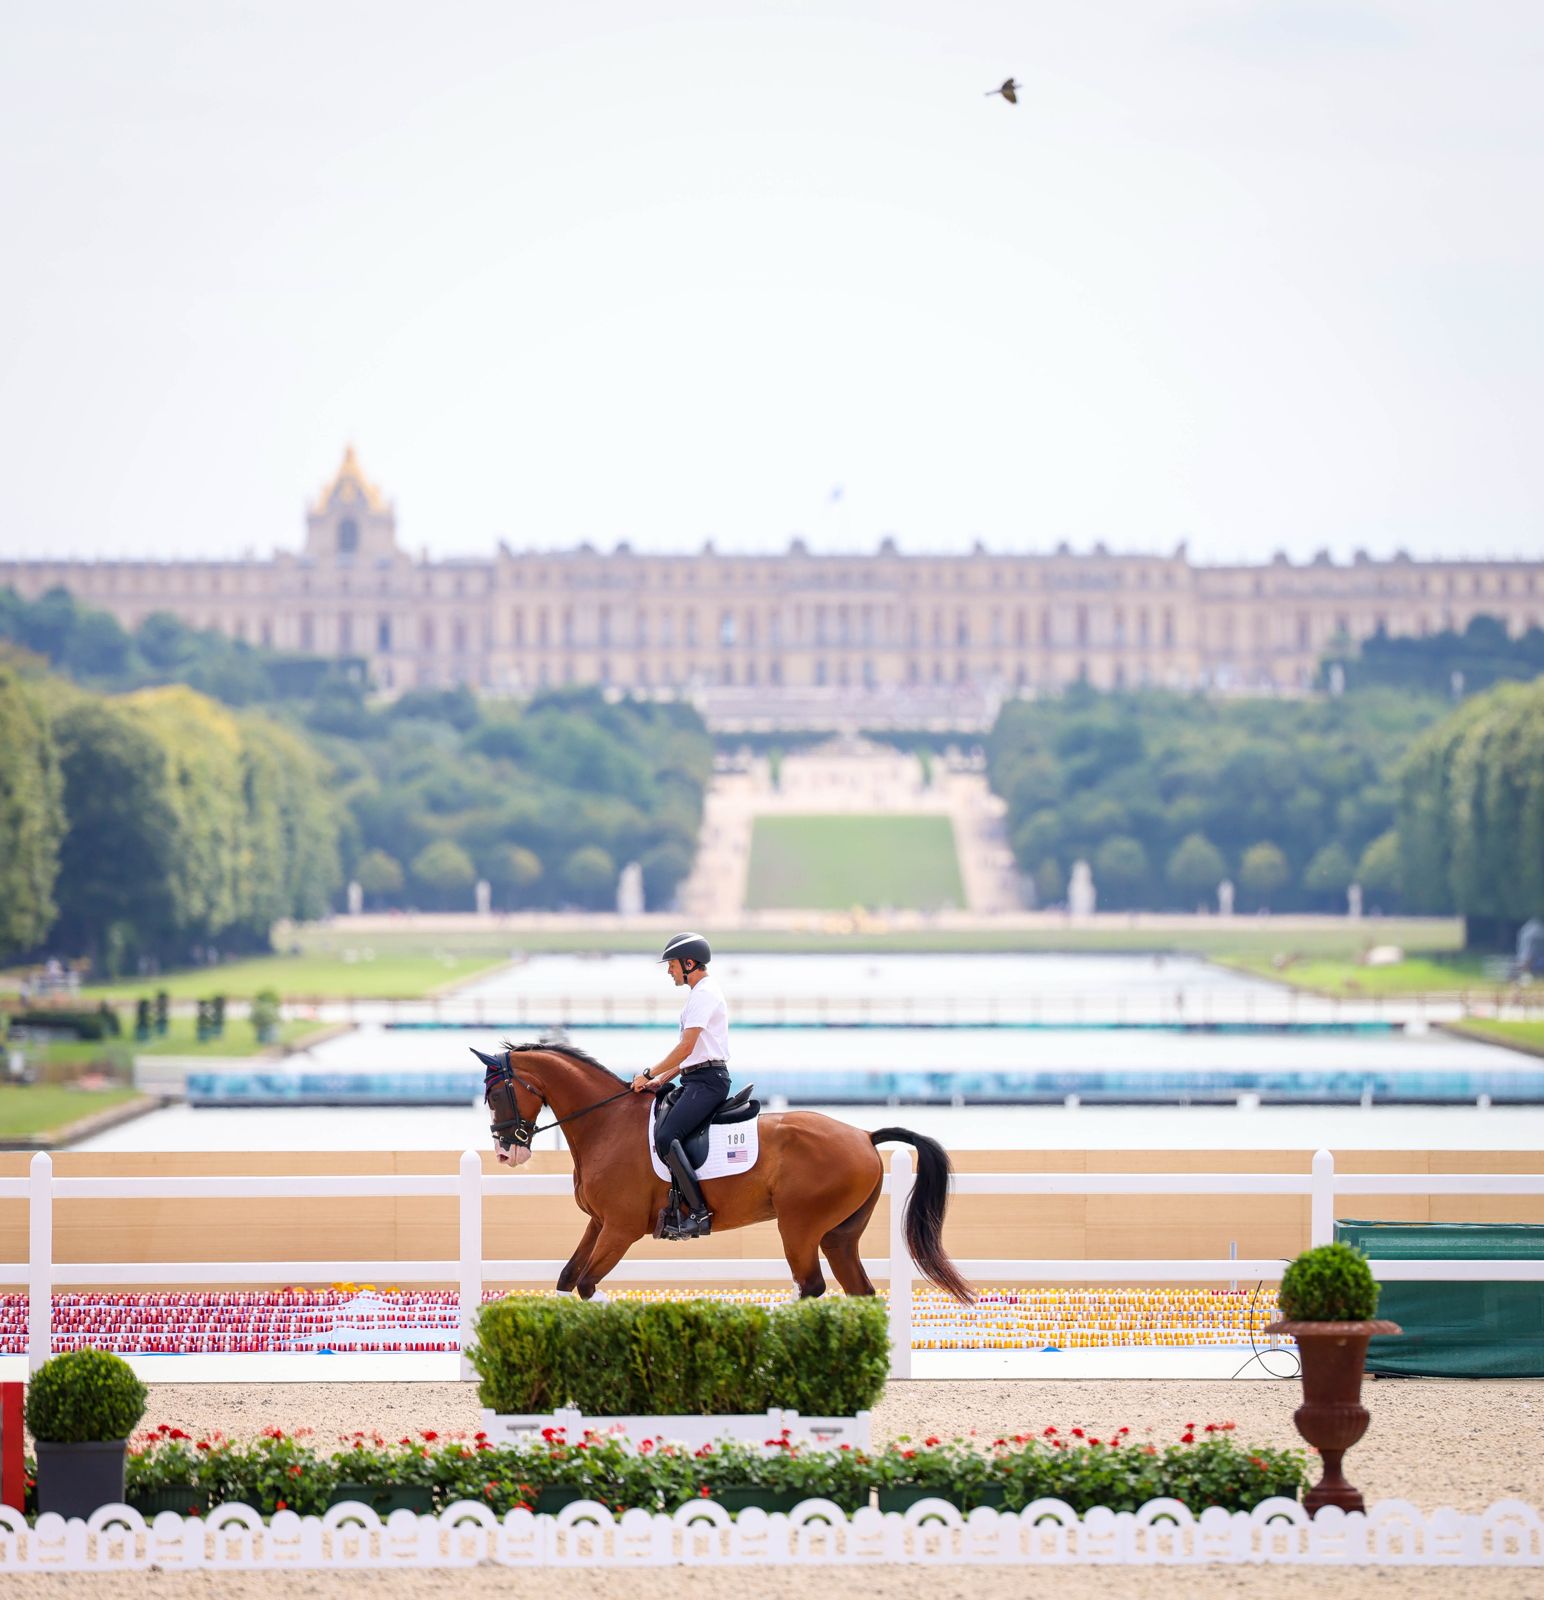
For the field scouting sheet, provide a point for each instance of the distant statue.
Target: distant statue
(1225, 898)
(1354, 902)
(1530, 948)
(1081, 895)
(484, 897)
(356, 899)
(1337, 679)
(630, 891)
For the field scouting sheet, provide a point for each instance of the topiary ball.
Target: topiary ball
(1330, 1283)
(84, 1396)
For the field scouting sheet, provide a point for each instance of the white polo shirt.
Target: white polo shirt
(707, 1009)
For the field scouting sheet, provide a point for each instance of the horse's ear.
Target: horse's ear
(492, 1063)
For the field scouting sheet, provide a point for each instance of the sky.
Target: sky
(1257, 275)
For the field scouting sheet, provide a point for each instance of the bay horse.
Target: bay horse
(817, 1178)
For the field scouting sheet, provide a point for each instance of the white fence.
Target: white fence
(470, 1271)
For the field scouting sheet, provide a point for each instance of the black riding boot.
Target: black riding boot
(698, 1221)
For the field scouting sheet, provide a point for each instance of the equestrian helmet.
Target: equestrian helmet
(688, 947)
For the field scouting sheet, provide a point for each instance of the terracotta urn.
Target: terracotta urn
(1332, 1417)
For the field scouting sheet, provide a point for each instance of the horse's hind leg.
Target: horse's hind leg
(842, 1247)
(569, 1276)
(801, 1247)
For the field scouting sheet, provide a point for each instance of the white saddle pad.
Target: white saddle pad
(732, 1148)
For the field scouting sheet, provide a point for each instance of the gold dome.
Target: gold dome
(349, 483)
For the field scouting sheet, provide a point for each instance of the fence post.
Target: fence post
(470, 1249)
(40, 1259)
(1321, 1220)
(901, 1266)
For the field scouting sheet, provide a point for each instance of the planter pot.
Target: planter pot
(555, 1496)
(747, 1428)
(904, 1498)
(383, 1499)
(990, 1494)
(742, 1497)
(185, 1500)
(1332, 1417)
(74, 1479)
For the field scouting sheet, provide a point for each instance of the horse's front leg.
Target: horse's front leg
(569, 1276)
(613, 1244)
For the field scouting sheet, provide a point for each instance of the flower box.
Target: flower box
(383, 1500)
(746, 1428)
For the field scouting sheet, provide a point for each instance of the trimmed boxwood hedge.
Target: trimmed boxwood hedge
(681, 1357)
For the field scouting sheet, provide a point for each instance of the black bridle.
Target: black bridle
(513, 1127)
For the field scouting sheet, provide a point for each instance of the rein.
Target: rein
(523, 1129)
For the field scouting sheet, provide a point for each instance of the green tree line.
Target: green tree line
(154, 824)
(1471, 810)
(161, 820)
(1165, 795)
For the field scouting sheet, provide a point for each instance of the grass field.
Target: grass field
(32, 1109)
(239, 1038)
(1425, 972)
(1526, 1036)
(336, 961)
(836, 862)
(379, 970)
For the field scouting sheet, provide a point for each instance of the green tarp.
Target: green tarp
(1456, 1330)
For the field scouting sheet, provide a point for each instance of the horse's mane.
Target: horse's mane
(573, 1052)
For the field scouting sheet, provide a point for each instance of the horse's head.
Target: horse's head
(514, 1118)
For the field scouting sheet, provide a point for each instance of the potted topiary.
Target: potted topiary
(81, 1408)
(1328, 1296)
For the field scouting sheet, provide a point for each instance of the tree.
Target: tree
(664, 867)
(1378, 870)
(1329, 873)
(1121, 871)
(1050, 885)
(31, 818)
(513, 871)
(590, 876)
(118, 863)
(1263, 871)
(379, 875)
(1195, 868)
(445, 870)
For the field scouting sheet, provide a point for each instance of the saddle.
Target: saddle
(737, 1108)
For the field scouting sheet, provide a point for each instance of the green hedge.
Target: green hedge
(681, 1357)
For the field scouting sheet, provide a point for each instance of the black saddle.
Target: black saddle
(737, 1108)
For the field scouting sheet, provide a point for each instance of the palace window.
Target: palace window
(726, 630)
(345, 633)
(348, 537)
(383, 633)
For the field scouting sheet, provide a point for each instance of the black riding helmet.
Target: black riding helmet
(690, 949)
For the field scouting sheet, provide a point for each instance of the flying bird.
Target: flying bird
(1007, 91)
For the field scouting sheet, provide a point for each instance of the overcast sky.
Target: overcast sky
(1258, 274)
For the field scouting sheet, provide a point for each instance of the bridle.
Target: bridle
(510, 1125)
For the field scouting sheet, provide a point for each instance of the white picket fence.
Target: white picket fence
(1047, 1533)
(41, 1273)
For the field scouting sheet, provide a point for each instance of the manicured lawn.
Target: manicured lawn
(27, 1110)
(835, 862)
(338, 962)
(239, 1038)
(1528, 1036)
(1425, 972)
(376, 972)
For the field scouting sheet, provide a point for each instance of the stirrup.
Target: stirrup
(694, 1225)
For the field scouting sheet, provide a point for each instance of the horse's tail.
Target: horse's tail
(925, 1212)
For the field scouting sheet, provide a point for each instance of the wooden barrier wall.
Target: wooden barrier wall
(1012, 1227)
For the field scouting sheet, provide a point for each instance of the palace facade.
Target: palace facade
(797, 638)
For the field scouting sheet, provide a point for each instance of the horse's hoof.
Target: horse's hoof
(600, 1298)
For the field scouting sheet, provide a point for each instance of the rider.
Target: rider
(701, 1056)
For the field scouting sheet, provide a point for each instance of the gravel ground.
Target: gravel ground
(1432, 1442)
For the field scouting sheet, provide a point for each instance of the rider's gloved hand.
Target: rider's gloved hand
(644, 1084)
